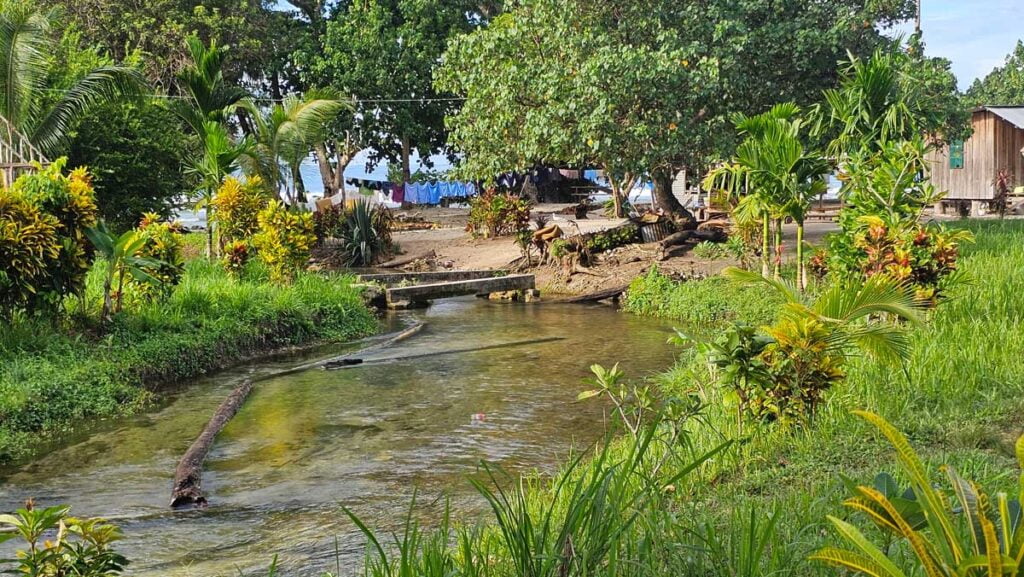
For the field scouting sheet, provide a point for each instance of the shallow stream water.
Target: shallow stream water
(365, 437)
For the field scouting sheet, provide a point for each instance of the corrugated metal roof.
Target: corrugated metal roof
(1012, 114)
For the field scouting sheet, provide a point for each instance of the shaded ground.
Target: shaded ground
(457, 249)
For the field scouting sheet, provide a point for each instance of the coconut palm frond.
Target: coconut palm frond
(748, 277)
(876, 296)
(100, 85)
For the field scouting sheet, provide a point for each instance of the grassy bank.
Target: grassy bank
(757, 507)
(53, 378)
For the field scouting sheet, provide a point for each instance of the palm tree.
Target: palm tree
(27, 101)
(221, 156)
(205, 94)
(286, 133)
(780, 176)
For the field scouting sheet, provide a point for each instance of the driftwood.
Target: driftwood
(357, 362)
(188, 477)
(397, 262)
(684, 236)
(351, 359)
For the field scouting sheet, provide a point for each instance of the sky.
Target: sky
(975, 35)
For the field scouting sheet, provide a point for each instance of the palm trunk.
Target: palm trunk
(765, 233)
(300, 187)
(209, 232)
(801, 272)
(778, 247)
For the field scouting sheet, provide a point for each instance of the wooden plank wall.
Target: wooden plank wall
(974, 180)
(1009, 140)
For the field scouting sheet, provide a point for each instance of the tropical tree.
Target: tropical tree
(1004, 86)
(896, 94)
(206, 94)
(45, 113)
(779, 174)
(286, 133)
(122, 254)
(384, 53)
(221, 156)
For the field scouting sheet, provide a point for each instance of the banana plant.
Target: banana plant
(123, 258)
(954, 532)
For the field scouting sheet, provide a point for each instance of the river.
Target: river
(365, 437)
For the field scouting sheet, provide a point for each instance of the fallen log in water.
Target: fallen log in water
(361, 362)
(188, 477)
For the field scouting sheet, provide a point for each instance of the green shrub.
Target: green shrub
(492, 214)
(54, 543)
(955, 531)
(367, 233)
(284, 240)
(708, 250)
(613, 238)
(162, 243)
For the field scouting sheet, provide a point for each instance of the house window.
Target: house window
(956, 154)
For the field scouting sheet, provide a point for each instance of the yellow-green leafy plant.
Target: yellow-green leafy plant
(780, 373)
(952, 531)
(57, 544)
(236, 206)
(162, 243)
(71, 200)
(29, 248)
(284, 240)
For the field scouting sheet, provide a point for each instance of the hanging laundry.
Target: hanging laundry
(398, 193)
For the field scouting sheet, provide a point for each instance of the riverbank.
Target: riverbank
(706, 498)
(56, 378)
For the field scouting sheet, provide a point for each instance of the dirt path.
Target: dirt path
(457, 249)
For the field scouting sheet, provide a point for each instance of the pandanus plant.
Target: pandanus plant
(954, 532)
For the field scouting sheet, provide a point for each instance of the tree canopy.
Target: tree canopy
(1004, 86)
(383, 53)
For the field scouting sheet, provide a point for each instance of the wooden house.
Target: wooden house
(965, 170)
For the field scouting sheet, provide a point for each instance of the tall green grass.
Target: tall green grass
(54, 376)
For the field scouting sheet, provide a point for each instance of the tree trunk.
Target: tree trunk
(188, 476)
(209, 225)
(323, 162)
(108, 303)
(344, 157)
(765, 233)
(801, 273)
(406, 151)
(617, 199)
(300, 187)
(778, 247)
(667, 201)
